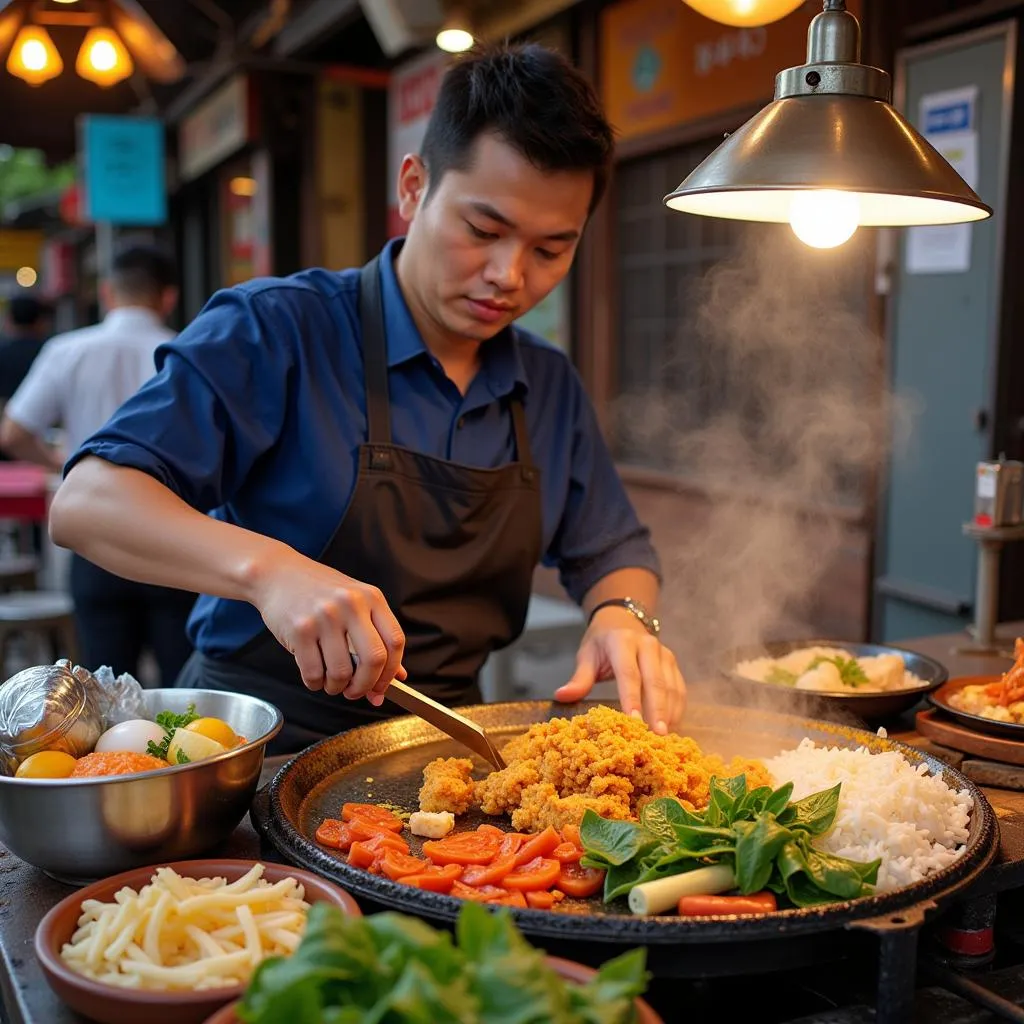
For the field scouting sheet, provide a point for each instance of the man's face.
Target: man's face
(487, 244)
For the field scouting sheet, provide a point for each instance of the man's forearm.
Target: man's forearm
(640, 584)
(19, 443)
(130, 524)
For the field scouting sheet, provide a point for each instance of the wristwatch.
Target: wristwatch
(648, 621)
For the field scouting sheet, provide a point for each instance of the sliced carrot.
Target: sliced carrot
(567, 853)
(539, 873)
(579, 882)
(434, 878)
(464, 848)
(493, 830)
(384, 841)
(373, 814)
(712, 906)
(477, 893)
(513, 899)
(334, 834)
(540, 845)
(489, 874)
(511, 843)
(361, 856)
(540, 900)
(362, 828)
(571, 834)
(396, 864)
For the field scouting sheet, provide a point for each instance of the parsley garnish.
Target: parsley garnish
(170, 721)
(849, 670)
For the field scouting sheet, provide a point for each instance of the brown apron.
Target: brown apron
(453, 549)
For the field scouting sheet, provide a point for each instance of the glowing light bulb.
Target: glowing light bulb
(824, 219)
(455, 40)
(102, 55)
(33, 55)
(103, 58)
(745, 13)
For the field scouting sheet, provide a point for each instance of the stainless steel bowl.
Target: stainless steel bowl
(79, 830)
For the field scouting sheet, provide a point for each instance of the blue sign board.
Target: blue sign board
(123, 174)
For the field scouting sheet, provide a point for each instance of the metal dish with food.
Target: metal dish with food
(384, 763)
(111, 1004)
(950, 700)
(992, 704)
(870, 682)
(81, 829)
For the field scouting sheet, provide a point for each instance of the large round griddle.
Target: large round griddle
(383, 763)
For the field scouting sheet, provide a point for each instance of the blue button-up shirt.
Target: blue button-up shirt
(258, 409)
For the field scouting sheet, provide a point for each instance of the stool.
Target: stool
(18, 572)
(43, 612)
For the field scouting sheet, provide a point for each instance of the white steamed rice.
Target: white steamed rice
(888, 809)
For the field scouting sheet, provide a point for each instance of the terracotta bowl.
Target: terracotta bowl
(110, 1005)
(568, 969)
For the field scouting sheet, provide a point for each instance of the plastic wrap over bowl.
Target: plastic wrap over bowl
(47, 707)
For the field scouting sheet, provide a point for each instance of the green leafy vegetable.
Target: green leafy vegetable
(395, 969)
(760, 834)
(170, 721)
(815, 813)
(776, 674)
(849, 670)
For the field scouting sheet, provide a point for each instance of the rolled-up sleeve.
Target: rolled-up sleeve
(216, 404)
(599, 531)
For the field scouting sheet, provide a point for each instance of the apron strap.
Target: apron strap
(375, 353)
(519, 425)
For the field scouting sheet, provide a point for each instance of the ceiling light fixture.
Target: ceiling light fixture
(122, 37)
(103, 58)
(830, 154)
(745, 13)
(33, 57)
(456, 35)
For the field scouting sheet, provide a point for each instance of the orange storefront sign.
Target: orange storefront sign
(663, 64)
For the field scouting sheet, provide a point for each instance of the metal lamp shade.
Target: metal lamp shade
(845, 143)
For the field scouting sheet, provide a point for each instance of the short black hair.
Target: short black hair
(142, 272)
(26, 311)
(529, 96)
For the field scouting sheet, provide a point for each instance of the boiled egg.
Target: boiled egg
(46, 764)
(215, 729)
(132, 737)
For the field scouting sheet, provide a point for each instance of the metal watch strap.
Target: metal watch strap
(635, 608)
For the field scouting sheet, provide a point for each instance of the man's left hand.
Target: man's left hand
(617, 646)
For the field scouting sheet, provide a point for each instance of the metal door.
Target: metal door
(943, 339)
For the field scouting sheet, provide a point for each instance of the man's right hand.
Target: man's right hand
(323, 618)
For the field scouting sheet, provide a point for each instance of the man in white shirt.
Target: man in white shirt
(77, 382)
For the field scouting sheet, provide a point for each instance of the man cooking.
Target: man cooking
(360, 470)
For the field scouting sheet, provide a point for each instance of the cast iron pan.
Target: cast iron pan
(383, 763)
(868, 707)
(940, 699)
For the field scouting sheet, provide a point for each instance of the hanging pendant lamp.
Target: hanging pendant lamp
(745, 13)
(830, 153)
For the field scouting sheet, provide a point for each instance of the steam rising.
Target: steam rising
(771, 403)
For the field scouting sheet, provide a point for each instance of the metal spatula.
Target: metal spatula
(461, 729)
